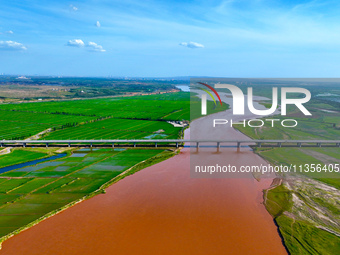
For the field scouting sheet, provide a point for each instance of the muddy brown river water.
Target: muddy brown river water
(163, 210)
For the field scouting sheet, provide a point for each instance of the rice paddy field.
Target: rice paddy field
(31, 193)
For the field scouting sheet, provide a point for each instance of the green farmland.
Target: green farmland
(172, 106)
(324, 127)
(45, 188)
(130, 117)
(105, 118)
(119, 129)
(21, 125)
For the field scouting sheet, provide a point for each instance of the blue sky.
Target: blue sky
(232, 38)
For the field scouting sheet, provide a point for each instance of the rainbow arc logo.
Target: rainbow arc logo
(209, 89)
(209, 93)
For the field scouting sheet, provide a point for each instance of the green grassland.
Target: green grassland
(303, 238)
(278, 200)
(47, 187)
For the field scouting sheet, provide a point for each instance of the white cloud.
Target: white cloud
(192, 45)
(10, 45)
(75, 43)
(9, 32)
(73, 8)
(95, 47)
(91, 46)
(97, 24)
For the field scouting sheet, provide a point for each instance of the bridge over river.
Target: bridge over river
(169, 143)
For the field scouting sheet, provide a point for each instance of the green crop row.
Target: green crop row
(118, 129)
(151, 107)
(20, 125)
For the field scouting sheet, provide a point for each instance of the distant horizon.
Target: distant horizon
(184, 78)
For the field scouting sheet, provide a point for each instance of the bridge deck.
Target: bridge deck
(170, 142)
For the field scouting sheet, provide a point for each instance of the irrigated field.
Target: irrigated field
(45, 188)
